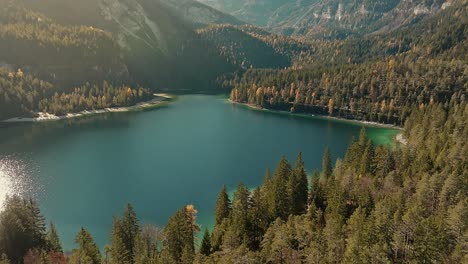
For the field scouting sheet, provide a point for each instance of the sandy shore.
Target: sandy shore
(367, 123)
(41, 116)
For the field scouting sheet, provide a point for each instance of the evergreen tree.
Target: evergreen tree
(267, 196)
(258, 219)
(179, 234)
(119, 253)
(367, 159)
(299, 187)
(53, 239)
(326, 164)
(362, 138)
(187, 255)
(205, 247)
(280, 199)
(87, 251)
(143, 254)
(357, 249)
(166, 257)
(223, 206)
(124, 234)
(130, 228)
(317, 194)
(22, 228)
(240, 210)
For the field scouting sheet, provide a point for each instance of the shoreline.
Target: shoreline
(366, 123)
(44, 117)
(398, 139)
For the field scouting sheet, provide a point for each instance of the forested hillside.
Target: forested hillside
(157, 40)
(24, 95)
(244, 48)
(51, 56)
(64, 55)
(376, 78)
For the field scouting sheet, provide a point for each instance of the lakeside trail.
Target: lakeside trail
(43, 117)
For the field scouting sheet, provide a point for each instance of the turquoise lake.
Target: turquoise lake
(84, 171)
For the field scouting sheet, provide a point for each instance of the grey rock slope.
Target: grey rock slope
(330, 18)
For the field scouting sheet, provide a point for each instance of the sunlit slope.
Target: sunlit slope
(157, 39)
(330, 19)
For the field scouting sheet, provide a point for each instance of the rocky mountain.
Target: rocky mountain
(157, 39)
(330, 18)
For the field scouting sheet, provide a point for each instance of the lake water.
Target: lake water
(84, 171)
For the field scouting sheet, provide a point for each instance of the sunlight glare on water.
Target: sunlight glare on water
(12, 179)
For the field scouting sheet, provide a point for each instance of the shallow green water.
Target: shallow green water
(84, 171)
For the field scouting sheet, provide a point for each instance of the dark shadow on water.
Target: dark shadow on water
(41, 134)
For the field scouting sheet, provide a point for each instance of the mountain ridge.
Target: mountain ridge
(331, 19)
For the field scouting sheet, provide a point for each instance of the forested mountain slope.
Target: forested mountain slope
(330, 19)
(376, 78)
(157, 39)
(69, 45)
(66, 55)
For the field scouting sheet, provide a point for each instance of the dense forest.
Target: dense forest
(23, 95)
(375, 78)
(55, 68)
(62, 54)
(404, 204)
(383, 91)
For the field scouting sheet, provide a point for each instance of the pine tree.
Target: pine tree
(367, 159)
(22, 228)
(119, 253)
(317, 194)
(187, 255)
(357, 248)
(362, 138)
(124, 234)
(205, 247)
(166, 258)
(87, 251)
(267, 195)
(258, 219)
(352, 156)
(142, 253)
(217, 236)
(240, 210)
(179, 234)
(281, 200)
(299, 187)
(53, 239)
(223, 206)
(326, 164)
(130, 228)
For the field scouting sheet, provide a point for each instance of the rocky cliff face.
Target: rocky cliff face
(331, 18)
(152, 23)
